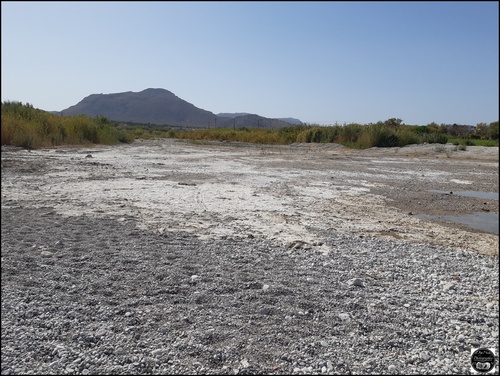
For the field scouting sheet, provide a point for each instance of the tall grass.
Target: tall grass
(473, 142)
(352, 135)
(24, 126)
(252, 135)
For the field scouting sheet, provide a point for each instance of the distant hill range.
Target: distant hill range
(288, 120)
(162, 107)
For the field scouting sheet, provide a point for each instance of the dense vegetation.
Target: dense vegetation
(22, 125)
(25, 126)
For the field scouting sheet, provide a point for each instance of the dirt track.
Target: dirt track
(280, 193)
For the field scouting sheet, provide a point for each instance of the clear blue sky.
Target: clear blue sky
(321, 62)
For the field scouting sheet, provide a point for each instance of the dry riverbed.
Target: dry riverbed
(279, 193)
(171, 257)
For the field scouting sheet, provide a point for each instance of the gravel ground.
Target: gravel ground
(96, 296)
(86, 294)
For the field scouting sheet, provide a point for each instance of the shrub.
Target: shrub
(138, 132)
(290, 135)
(461, 147)
(408, 137)
(350, 133)
(435, 138)
(380, 136)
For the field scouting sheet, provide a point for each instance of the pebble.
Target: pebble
(244, 363)
(46, 254)
(356, 282)
(448, 286)
(344, 316)
(158, 352)
(425, 357)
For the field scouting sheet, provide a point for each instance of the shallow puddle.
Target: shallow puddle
(485, 221)
(475, 194)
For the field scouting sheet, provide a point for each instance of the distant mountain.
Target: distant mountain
(250, 121)
(232, 114)
(155, 106)
(288, 120)
(162, 107)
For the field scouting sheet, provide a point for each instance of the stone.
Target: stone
(448, 286)
(425, 357)
(344, 316)
(100, 333)
(158, 352)
(356, 282)
(244, 363)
